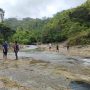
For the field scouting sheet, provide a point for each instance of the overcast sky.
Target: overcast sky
(36, 8)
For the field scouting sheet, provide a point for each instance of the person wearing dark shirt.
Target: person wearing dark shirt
(16, 49)
(67, 47)
(5, 50)
(57, 48)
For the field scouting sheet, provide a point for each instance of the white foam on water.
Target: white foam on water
(86, 61)
(30, 47)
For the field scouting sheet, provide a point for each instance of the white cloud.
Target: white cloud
(36, 8)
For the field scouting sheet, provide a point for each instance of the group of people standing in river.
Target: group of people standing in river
(57, 47)
(5, 48)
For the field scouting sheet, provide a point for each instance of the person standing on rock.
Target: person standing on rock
(67, 47)
(50, 46)
(5, 50)
(16, 49)
(57, 48)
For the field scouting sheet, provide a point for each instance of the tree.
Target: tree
(5, 32)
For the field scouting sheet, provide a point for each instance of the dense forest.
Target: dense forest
(71, 25)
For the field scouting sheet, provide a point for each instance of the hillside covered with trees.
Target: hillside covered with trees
(71, 25)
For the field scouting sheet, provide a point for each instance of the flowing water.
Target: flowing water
(33, 52)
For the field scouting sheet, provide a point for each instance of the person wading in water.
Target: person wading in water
(16, 49)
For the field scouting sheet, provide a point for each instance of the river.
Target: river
(50, 75)
(58, 58)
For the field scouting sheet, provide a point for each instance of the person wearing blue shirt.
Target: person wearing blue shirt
(5, 50)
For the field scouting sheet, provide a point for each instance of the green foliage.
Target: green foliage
(5, 33)
(82, 38)
(71, 25)
(26, 37)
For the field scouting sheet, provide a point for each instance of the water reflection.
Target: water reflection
(79, 85)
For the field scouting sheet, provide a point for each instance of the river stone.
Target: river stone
(49, 88)
(14, 89)
(2, 85)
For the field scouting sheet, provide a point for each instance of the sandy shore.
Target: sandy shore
(83, 51)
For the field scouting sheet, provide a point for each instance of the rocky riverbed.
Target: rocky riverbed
(39, 70)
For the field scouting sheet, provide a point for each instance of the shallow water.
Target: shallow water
(51, 56)
(86, 61)
(36, 76)
(47, 56)
(79, 85)
(30, 47)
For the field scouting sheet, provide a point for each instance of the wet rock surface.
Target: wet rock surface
(79, 85)
(47, 71)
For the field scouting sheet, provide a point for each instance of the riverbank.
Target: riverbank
(82, 51)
